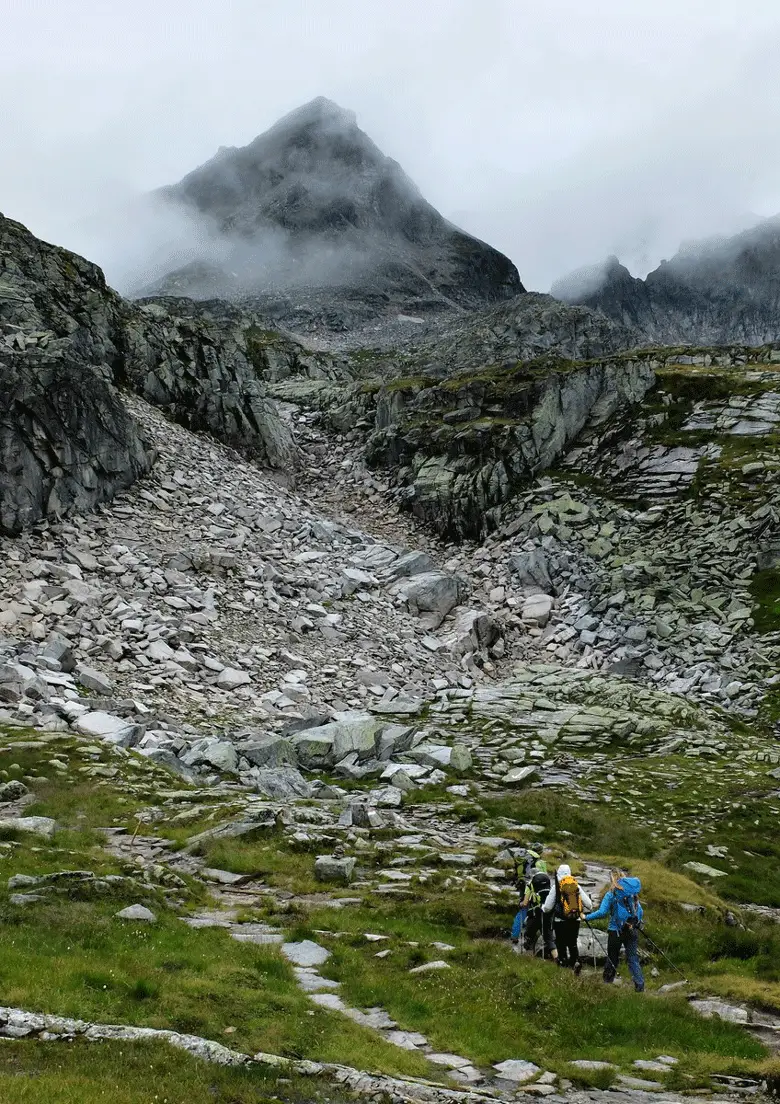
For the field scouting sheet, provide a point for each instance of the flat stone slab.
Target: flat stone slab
(375, 1018)
(451, 1061)
(588, 1064)
(305, 953)
(515, 1069)
(259, 934)
(467, 1075)
(407, 1040)
(706, 871)
(105, 725)
(626, 1082)
(311, 982)
(331, 1001)
(651, 1067)
(222, 877)
(710, 1009)
(210, 920)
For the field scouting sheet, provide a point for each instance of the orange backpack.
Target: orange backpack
(569, 898)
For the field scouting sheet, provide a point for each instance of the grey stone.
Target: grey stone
(280, 782)
(34, 825)
(91, 679)
(328, 868)
(138, 913)
(517, 1070)
(432, 591)
(305, 953)
(12, 791)
(231, 679)
(519, 775)
(428, 967)
(532, 570)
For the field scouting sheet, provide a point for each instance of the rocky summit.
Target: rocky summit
(710, 292)
(313, 204)
(304, 641)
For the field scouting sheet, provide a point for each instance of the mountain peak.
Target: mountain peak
(319, 111)
(313, 202)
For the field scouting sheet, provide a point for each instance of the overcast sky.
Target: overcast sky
(559, 130)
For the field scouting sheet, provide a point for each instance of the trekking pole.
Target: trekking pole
(663, 955)
(597, 940)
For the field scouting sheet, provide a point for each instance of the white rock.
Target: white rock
(514, 1069)
(427, 967)
(230, 679)
(137, 912)
(35, 825)
(305, 953)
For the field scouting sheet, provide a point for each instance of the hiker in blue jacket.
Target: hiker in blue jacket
(621, 904)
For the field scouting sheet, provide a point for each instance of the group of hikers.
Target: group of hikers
(553, 907)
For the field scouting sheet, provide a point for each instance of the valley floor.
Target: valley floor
(205, 618)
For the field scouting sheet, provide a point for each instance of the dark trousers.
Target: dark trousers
(566, 934)
(629, 939)
(537, 922)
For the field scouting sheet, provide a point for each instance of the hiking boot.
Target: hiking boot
(577, 969)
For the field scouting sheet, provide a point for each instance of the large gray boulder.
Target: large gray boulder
(269, 751)
(328, 868)
(330, 743)
(468, 631)
(278, 783)
(532, 570)
(431, 592)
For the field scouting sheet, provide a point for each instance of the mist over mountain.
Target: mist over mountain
(714, 291)
(314, 203)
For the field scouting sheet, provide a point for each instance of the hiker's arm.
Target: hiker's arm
(602, 910)
(549, 901)
(526, 901)
(586, 901)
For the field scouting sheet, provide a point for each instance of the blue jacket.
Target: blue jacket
(614, 906)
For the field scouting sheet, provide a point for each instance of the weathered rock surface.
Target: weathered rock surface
(313, 204)
(67, 441)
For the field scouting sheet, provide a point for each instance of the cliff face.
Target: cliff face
(67, 342)
(314, 203)
(711, 293)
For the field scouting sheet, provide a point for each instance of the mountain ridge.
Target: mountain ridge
(716, 291)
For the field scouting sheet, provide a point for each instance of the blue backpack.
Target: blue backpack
(625, 904)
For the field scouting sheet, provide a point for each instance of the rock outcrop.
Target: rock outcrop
(66, 440)
(709, 293)
(462, 448)
(68, 343)
(313, 203)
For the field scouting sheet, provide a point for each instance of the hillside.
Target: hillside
(298, 647)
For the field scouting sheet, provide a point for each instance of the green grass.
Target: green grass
(765, 588)
(75, 959)
(491, 1004)
(596, 828)
(138, 1073)
(71, 956)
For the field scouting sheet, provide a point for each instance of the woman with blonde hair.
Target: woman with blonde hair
(621, 903)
